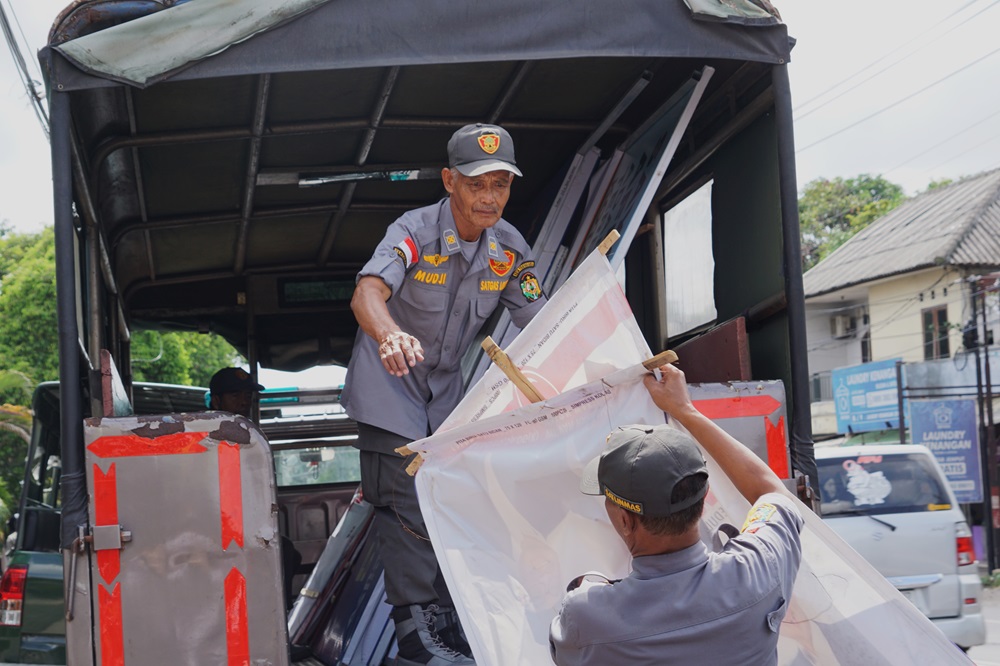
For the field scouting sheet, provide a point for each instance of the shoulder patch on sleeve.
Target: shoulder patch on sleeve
(407, 251)
(530, 288)
(759, 515)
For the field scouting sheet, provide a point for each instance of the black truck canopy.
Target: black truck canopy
(194, 178)
(178, 155)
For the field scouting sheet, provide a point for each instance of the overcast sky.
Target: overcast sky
(925, 106)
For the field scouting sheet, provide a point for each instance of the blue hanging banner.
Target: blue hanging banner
(948, 428)
(866, 397)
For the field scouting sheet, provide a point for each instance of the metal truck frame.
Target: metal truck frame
(233, 176)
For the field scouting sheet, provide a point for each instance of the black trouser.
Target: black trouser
(412, 574)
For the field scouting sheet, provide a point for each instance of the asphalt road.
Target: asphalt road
(989, 654)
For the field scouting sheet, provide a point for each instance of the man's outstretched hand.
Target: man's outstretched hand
(399, 352)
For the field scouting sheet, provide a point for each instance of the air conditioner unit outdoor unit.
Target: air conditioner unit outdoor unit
(842, 326)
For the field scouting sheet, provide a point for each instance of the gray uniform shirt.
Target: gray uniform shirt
(442, 299)
(693, 606)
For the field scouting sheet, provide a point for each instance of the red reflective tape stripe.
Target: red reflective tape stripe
(237, 632)
(112, 638)
(730, 408)
(230, 494)
(121, 446)
(106, 513)
(777, 447)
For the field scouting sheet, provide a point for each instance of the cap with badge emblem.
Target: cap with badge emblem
(481, 148)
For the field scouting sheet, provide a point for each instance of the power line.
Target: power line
(22, 70)
(24, 37)
(943, 141)
(899, 101)
(923, 45)
(978, 145)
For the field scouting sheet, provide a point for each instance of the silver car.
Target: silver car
(893, 505)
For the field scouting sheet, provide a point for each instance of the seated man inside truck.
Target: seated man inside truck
(233, 390)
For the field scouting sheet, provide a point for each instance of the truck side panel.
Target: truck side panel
(185, 552)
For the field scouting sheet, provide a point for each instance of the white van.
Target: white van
(893, 505)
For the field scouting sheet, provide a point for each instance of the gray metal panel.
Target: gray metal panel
(741, 409)
(958, 225)
(196, 493)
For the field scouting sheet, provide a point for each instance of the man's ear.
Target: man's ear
(448, 178)
(630, 521)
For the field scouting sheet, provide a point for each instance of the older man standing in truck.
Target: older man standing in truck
(437, 275)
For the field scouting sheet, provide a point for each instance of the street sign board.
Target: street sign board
(948, 428)
(866, 397)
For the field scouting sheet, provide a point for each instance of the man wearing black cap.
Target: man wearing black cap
(682, 604)
(232, 390)
(437, 276)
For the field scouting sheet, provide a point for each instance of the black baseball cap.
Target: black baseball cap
(640, 467)
(480, 148)
(232, 380)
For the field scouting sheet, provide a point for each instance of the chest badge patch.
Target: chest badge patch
(501, 268)
(490, 143)
(435, 259)
(530, 288)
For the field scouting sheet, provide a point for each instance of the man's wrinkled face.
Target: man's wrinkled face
(477, 202)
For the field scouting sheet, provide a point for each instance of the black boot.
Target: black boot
(449, 628)
(418, 640)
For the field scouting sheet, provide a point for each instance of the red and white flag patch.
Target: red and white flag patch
(407, 251)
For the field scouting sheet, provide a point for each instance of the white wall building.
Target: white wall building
(904, 287)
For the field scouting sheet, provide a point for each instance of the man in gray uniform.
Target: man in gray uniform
(682, 604)
(438, 274)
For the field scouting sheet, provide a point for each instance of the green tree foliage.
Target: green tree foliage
(13, 247)
(208, 353)
(29, 346)
(15, 428)
(179, 357)
(28, 334)
(938, 184)
(831, 211)
(159, 357)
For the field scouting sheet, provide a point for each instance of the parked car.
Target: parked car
(892, 504)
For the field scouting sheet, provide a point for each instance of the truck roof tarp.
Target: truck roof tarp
(178, 42)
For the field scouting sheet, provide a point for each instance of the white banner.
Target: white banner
(500, 495)
(579, 337)
(510, 529)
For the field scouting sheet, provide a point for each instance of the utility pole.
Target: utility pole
(991, 500)
(988, 425)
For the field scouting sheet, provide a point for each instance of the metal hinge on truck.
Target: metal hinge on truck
(102, 537)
